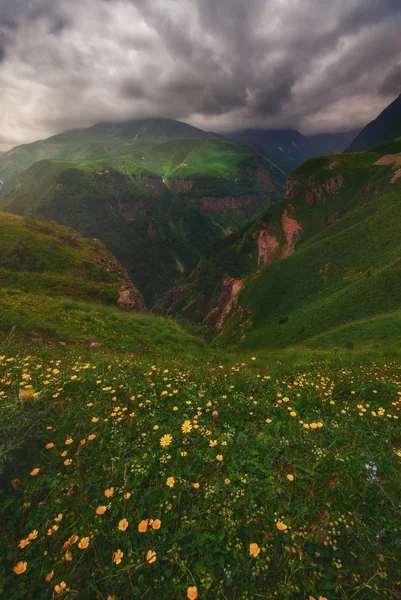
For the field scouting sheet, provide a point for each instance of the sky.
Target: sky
(222, 65)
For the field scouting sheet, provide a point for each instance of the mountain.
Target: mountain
(45, 258)
(384, 128)
(98, 140)
(320, 267)
(158, 206)
(288, 148)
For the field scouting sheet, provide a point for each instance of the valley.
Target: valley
(199, 369)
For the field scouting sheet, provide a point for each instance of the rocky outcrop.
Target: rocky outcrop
(130, 299)
(267, 246)
(172, 297)
(154, 185)
(230, 288)
(396, 176)
(292, 230)
(292, 187)
(220, 205)
(334, 184)
(332, 166)
(389, 159)
(181, 186)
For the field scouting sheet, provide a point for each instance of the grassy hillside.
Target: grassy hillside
(198, 476)
(101, 139)
(137, 461)
(157, 208)
(46, 258)
(322, 259)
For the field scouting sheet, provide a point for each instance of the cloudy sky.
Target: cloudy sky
(317, 65)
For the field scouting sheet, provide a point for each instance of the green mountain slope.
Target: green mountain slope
(325, 257)
(45, 258)
(386, 127)
(158, 207)
(57, 287)
(100, 139)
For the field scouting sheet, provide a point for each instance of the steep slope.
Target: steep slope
(325, 257)
(158, 208)
(100, 139)
(288, 148)
(385, 127)
(47, 259)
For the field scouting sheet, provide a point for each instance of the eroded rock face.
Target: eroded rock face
(230, 288)
(396, 176)
(334, 184)
(154, 185)
(292, 230)
(267, 246)
(389, 159)
(130, 299)
(291, 187)
(181, 185)
(218, 206)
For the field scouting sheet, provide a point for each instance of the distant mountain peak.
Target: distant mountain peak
(385, 127)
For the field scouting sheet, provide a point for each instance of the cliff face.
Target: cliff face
(220, 206)
(230, 288)
(314, 191)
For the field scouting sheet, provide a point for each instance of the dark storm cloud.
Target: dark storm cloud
(317, 65)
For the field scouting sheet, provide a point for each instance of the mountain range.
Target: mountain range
(155, 198)
(288, 148)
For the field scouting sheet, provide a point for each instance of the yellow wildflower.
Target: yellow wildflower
(186, 427)
(117, 556)
(151, 556)
(84, 543)
(192, 593)
(254, 550)
(20, 568)
(123, 524)
(166, 440)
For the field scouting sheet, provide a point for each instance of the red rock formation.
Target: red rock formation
(154, 185)
(218, 206)
(267, 245)
(396, 176)
(130, 299)
(291, 187)
(333, 185)
(181, 185)
(230, 288)
(292, 230)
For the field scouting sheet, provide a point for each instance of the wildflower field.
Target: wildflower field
(211, 478)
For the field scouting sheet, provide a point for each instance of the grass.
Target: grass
(345, 268)
(130, 202)
(275, 480)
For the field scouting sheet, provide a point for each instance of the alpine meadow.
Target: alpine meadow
(200, 314)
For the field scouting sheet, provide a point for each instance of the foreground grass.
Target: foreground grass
(184, 478)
